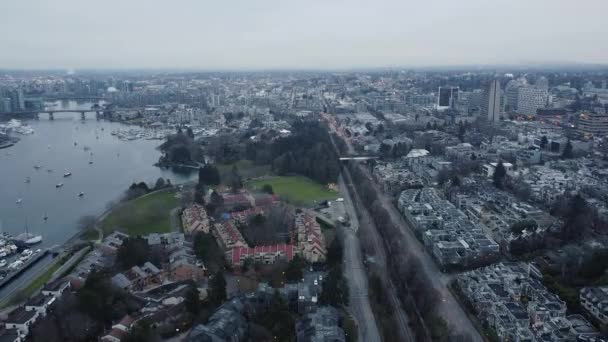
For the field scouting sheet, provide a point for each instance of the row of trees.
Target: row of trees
(139, 189)
(308, 151)
(578, 216)
(409, 276)
(181, 149)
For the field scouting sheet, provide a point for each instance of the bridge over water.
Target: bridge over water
(358, 158)
(51, 112)
(77, 98)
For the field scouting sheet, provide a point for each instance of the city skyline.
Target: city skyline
(318, 35)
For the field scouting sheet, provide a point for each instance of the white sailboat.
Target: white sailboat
(29, 238)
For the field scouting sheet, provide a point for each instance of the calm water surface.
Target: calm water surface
(116, 164)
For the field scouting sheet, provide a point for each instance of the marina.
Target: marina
(16, 254)
(101, 168)
(8, 275)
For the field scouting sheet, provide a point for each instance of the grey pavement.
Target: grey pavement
(354, 272)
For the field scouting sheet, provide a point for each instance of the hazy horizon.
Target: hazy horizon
(318, 35)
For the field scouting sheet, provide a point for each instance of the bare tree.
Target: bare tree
(86, 222)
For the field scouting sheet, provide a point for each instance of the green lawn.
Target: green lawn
(247, 169)
(295, 189)
(143, 215)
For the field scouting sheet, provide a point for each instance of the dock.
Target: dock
(9, 277)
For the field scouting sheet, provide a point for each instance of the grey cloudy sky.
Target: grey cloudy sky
(266, 34)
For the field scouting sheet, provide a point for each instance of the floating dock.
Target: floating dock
(32, 261)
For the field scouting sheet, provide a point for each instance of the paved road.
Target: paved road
(26, 278)
(71, 261)
(176, 223)
(354, 272)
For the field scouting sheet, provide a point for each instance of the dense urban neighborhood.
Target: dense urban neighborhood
(382, 205)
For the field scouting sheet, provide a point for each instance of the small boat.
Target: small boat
(27, 180)
(80, 194)
(59, 185)
(75, 143)
(49, 170)
(19, 200)
(90, 162)
(37, 167)
(46, 217)
(67, 174)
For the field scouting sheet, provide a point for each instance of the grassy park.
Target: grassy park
(143, 215)
(295, 189)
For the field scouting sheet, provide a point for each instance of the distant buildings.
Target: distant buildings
(530, 99)
(592, 125)
(447, 97)
(491, 106)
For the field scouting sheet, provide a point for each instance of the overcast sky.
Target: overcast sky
(275, 34)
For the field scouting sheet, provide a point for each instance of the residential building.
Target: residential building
(138, 278)
(592, 125)
(311, 241)
(194, 219)
(56, 288)
(529, 99)
(119, 330)
(183, 265)
(320, 326)
(227, 324)
(112, 242)
(261, 254)
(518, 307)
(21, 320)
(40, 303)
(11, 335)
(595, 301)
(447, 97)
(451, 238)
(228, 235)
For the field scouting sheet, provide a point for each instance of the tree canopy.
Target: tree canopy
(217, 289)
(499, 175)
(208, 175)
(568, 153)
